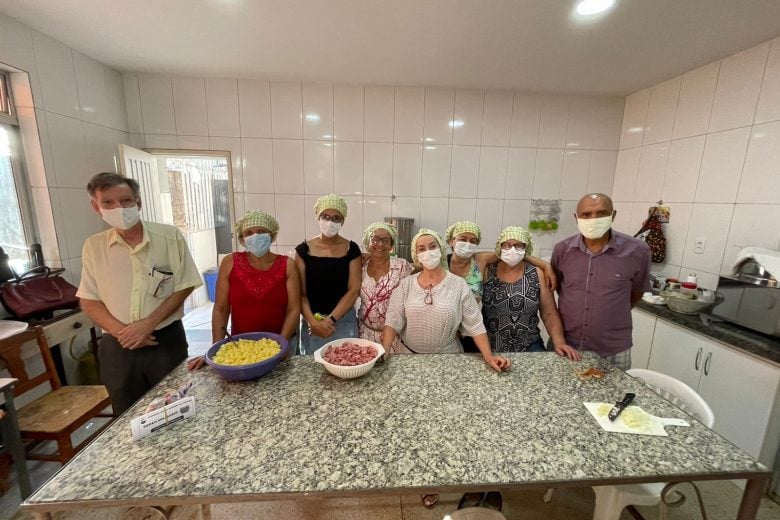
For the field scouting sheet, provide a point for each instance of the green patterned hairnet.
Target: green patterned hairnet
(257, 219)
(331, 201)
(515, 233)
(379, 225)
(463, 226)
(439, 240)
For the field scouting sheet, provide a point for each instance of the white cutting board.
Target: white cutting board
(641, 422)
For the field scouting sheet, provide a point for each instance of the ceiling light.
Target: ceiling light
(591, 7)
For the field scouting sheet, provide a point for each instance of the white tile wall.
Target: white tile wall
(660, 111)
(436, 165)
(286, 110)
(723, 147)
(254, 98)
(189, 104)
(721, 166)
(157, 112)
(379, 114)
(409, 115)
(318, 166)
(439, 110)
(739, 83)
(91, 83)
(467, 122)
(317, 111)
(348, 168)
(435, 154)
(348, 105)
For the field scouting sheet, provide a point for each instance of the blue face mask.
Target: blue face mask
(258, 244)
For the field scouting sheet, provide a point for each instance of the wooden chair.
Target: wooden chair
(56, 415)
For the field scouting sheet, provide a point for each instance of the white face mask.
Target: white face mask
(329, 229)
(430, 259)
(594, 228)
(121, 218)
(512, 256)
(464, 249)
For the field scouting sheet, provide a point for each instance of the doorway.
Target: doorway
(192, 191)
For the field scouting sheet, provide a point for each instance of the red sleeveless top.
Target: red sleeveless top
(258, 299)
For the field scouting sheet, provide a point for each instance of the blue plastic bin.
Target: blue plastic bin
(210, 275)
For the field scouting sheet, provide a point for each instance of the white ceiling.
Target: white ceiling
(519, 44)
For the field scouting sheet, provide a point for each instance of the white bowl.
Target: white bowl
(349, 372)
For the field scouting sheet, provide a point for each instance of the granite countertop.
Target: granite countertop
(426, 422)
(755, 343)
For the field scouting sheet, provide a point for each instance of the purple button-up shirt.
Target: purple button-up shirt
(594, 290)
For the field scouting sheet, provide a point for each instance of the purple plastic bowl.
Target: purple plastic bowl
(253, 371)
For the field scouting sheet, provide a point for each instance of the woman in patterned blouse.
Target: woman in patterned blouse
(512, 295)
(381, 275)
(428, 308)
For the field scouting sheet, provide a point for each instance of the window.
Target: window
(14, 210)
(6, 107)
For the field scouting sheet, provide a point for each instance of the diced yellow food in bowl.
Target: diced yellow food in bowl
(246, 351)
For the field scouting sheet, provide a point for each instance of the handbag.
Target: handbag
(652, 234)
(37, 292)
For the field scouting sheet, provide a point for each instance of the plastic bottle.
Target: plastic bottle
(690, 285)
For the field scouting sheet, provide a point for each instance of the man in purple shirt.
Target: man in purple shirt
(602, 274)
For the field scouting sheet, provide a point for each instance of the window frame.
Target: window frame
(7, 109)
(11, 123)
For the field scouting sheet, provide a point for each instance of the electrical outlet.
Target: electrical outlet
(699, 245)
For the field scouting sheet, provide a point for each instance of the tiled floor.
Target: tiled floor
(721, 500)
(197, 324)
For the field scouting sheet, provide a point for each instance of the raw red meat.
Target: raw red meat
(349, 354)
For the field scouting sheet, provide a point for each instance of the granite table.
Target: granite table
(416, 423)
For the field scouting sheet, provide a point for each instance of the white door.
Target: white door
(742, 393)
(142, 167)
(677, 353)
(642, 338)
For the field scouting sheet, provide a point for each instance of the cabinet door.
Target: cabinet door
(742, 392)
(644, 326)
(675, 351)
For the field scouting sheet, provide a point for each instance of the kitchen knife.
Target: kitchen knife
(620, 406)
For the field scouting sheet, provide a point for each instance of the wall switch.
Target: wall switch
(698, 246)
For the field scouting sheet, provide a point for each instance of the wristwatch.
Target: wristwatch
(332, 318)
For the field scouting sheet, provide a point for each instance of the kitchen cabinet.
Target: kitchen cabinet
(642, 338)
(741, 390)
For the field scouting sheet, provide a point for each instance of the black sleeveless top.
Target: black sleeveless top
(327, 278)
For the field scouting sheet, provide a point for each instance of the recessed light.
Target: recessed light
(591, 7)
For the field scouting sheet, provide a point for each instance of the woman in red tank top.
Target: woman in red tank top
(258, 290)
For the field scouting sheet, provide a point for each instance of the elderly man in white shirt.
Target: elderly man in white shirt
(135, 278)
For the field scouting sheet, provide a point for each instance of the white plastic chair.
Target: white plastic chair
(475, 513)
(610, 500)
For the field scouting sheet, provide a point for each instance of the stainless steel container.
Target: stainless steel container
(405, 228)
(751, 298)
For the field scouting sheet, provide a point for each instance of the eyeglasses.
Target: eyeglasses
(507, 247)
(376, 241)
(428, 295)
(338, 219)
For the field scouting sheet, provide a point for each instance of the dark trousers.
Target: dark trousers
(129, 374)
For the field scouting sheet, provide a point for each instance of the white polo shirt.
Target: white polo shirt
(133, 282)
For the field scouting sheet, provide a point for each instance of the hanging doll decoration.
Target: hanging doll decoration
(652, 232)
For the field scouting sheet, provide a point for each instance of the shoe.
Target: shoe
(430, 501)
(471, 500)
(493, 500)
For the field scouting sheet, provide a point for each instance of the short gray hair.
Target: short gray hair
(105, 180)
